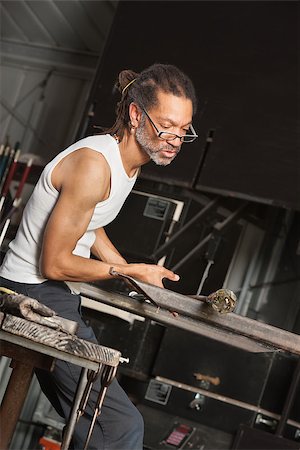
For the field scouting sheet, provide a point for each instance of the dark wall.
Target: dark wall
(242, 57)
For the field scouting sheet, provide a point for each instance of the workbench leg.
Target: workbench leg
(74, 413)
(13, 401)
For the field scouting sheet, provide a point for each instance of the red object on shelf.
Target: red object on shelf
(49, 444)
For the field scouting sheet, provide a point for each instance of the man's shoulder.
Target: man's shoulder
(98, 142)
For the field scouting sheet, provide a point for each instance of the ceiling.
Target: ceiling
(73, 32)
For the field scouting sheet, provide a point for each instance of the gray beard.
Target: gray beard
(146, 144)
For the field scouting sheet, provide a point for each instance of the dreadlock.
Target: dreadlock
(141, 88)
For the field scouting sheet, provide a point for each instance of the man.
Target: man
(80, 192)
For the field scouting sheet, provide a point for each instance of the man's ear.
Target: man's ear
(135, 114)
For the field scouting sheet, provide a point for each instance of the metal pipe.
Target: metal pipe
(161, 250)
(107, 376)
(68, 432)
(24, 178)
(224, 399)
(289, 400)
(222, 226)
(192, 252)
(9, 178)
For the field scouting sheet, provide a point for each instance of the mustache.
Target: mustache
(170, 148)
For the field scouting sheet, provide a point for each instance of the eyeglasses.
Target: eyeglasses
(166, 136)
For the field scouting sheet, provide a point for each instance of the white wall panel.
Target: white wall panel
(41, 114)
(50, 50)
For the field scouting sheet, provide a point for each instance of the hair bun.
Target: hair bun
(124, 78)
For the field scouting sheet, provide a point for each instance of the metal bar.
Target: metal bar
(76, 64)
(91, 377)
(265, 383)
(19, 102)
(40, 25)
(289, 401)
(24, 178)
(193, 252)
(220, 227)
(185, 323)
(224, 399)
(73, 417)
(4, 161)
(22, 121)
(9, 177)
(161, 250)
(7, 167)
(198, 317)
(107, 376)
(222, 301)
(13, 401)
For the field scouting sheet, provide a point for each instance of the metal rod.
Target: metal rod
(95, 416)
(10, 174)
(24, 178)
(4, 161)
(161, 250)
(4, 231)
(85, 397)
(204, 276)
(6, 221)
(7, 167)
(107, 376)
(192, 252)
(219, 227)
(9, 178)
(289, 400)
(224, 399)
(236, 330)
(75, 407)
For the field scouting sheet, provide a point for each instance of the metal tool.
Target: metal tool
(137, 285)
(31, 309)
(91, 378)
(134, 283)
(107, 375)
(222, 301)
(84, 387)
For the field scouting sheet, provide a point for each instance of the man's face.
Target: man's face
(172, 114)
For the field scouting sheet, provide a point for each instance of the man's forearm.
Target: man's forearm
(109, 256)
(77, 268)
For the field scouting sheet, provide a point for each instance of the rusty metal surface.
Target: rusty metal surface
(31, 309)
(80, 351)
(197, 317)
(13, 401)
(22, 354)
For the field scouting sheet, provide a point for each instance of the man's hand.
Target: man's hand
(150, 273)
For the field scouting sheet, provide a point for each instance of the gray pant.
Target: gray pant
(120, 425)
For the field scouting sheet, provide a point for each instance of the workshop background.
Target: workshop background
(224, 214)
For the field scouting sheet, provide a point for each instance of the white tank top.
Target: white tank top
(21, 262)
